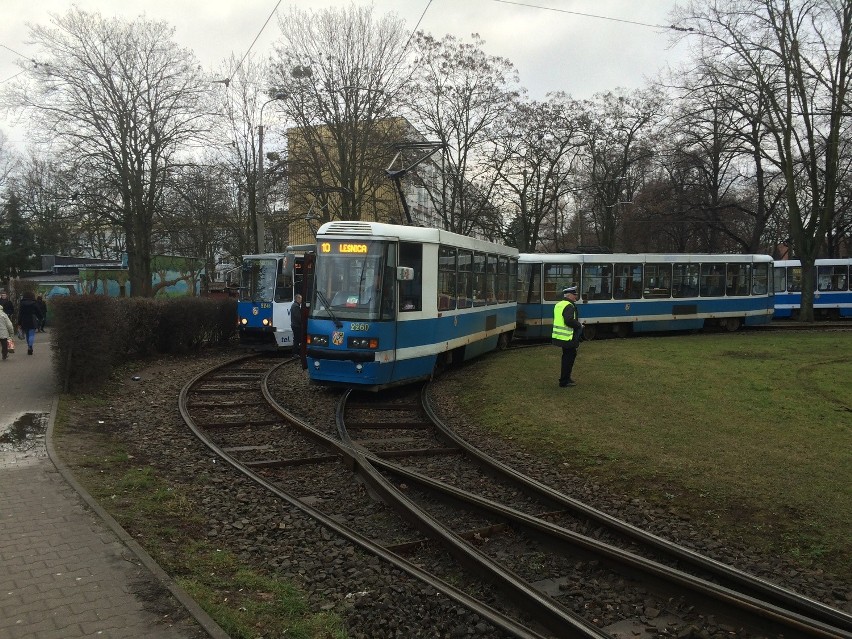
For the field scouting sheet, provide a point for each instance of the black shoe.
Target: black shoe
(29, 351)
(568, 383)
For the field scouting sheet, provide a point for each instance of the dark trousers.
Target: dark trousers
(568, 357)
(4, 347)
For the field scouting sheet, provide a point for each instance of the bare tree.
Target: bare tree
(49, 205)
(340, 72)
(7, 160)
(533, 162)
(618, 146)
(796, 53)
(118, 99)
(237, 127)
(458, 95)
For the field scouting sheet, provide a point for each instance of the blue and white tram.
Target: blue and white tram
(623, 293)
(832, 290)
(268, 284)
(393, 304)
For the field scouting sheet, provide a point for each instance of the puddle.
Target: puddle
(26, 433)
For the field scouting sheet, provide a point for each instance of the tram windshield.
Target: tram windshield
(267, 280)
(355, 280)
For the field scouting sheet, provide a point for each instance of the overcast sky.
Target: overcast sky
(553, 50)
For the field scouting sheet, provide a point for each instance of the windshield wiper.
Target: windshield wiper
(327, 305)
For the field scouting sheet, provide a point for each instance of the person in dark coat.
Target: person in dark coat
(42, 306)
(567, 333)
(296, 323)
(29, 318)
(7, 304)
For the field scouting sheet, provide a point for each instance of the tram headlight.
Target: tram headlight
(318, 340)
(243, 321)
(266, 322)
(370, 343)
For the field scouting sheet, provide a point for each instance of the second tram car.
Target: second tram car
(624, 293)
(393, 304)
(268, 284)
(832, 288)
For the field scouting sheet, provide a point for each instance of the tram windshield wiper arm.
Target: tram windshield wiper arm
(327, 305)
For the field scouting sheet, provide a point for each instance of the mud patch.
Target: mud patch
(25, 433)
(22, 442)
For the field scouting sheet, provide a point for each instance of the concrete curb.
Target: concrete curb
(204, 620)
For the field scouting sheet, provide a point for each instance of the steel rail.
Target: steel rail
(735, 602)
(731, 577)
(544, 609)
(487, 613)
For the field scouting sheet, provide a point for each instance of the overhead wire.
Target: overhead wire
(17, 53)
(414, 30)
(237, 68)
(592, 15)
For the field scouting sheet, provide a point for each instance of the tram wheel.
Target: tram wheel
(733, 324)
(503, 341)
(621, 330)
(589, 332)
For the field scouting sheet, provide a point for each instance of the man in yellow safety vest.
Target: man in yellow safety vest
(566, 334)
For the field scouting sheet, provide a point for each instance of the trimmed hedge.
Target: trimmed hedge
(93, 333)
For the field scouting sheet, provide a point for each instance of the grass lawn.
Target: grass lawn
(750, 432)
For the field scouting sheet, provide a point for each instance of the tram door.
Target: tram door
(303, 269)
(409, 301)
(284, 291)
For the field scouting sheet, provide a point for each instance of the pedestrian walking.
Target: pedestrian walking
(7, 304)
(29, 318)
(296, 323)
(567, 332)
(7, 329)
(42, 306)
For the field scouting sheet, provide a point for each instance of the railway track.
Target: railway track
(390, 477)
(790, 325)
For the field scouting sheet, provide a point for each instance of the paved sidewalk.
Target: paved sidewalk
(66, 568)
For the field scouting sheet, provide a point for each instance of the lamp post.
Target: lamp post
(260, 196)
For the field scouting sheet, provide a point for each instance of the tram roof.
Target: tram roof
(820, 262)
(381, 231)
(662, 258)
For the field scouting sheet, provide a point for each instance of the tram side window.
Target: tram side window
(529, 283)
(447, 264)
(794, 279)
(557, 277)
(738, 279)
(502, 279)
(712, 279)
(839, 278)
(780, 277)
(628, 282)
(479, 279)
(465, 279)
(685, 280)
(597, 281)
(284, 282)
(511, 278)
(658, 280)
(490, 279)
(832, 278)
(411, 292)
(760, 279)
